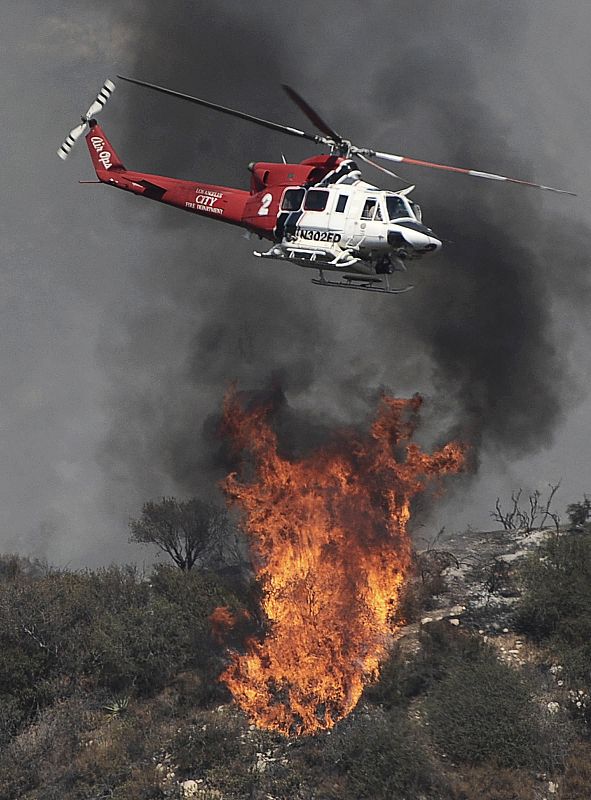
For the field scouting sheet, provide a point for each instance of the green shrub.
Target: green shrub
(556, 604)
(111, 630)
(195, 593)
(377, 757)
(579, 513)
(404, 675)
(482, 711)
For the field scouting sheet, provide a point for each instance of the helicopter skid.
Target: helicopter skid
(365, 284)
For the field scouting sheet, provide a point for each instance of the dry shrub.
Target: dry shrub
(495, 784)
(425, 582)
(217, 747)
(576, 784)
(74, 753)
(122, 746)
(102, 760)
(43, 752)
(143, 783)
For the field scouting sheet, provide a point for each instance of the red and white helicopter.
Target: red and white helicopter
(319, 213)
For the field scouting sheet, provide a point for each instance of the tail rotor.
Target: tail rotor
(98, 104)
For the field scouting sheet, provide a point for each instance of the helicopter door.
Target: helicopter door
(366, 220)
(312, 227)
(338, 216)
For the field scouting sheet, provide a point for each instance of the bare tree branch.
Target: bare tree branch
(528, 519)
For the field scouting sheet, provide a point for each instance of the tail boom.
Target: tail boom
(218, 202)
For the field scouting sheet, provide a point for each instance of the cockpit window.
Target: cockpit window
(292, 200)
(316, 200)
(417, 211)
(397, 208)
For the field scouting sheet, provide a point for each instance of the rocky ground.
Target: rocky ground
(480, 592)
(480, 586)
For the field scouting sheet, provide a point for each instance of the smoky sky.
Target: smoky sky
(480, 321)
(161, 312)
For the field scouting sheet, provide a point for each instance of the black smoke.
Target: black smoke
(478, 332)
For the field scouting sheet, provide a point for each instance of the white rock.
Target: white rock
(189, 789)
(260, 764)
(552, 787)
(426, 620)
(455, 610)
(454, 621)
(553, 707)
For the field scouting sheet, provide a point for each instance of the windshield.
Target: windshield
(397, 207)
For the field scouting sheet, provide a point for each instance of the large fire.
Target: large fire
(330, 551)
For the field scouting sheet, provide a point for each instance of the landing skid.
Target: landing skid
(364, 284)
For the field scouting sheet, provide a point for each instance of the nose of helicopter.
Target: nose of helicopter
(421, 238)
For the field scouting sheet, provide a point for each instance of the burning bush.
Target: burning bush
(330, 550)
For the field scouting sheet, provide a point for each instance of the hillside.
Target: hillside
(108, 685)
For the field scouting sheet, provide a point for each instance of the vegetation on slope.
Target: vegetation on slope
(108, 689)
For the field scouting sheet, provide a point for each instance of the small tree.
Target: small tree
(579, 513)
(184, 529)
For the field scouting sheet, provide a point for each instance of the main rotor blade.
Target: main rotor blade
(314, 118)
(379, 166)
(474, 173)
(274, 126)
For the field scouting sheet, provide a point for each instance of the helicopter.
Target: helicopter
(318, 214)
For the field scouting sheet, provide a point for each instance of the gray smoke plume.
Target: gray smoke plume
(478, 331)
(125, 321)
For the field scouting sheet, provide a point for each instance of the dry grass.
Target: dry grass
(489, 783)
(576, 784)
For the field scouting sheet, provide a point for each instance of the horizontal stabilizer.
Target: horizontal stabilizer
(153, 191)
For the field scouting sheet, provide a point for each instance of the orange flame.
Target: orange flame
(330, 550)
